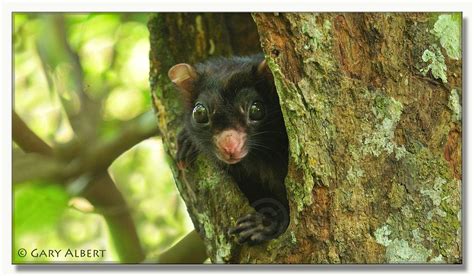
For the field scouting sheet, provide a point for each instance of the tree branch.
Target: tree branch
(95, 158)
(86, 124)
(60, 27)
(101, 155)
(43, 57)
(35, 166)
(189, 250)
(26, 139)
(108, 200)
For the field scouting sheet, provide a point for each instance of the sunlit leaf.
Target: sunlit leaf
(37, 206)
(124, 104)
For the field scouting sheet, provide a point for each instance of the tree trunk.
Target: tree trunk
(372, 106)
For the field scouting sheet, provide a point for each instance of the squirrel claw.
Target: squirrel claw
(254, 228)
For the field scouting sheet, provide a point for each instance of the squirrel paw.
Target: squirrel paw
(255, 228)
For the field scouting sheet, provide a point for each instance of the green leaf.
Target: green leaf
(37, 206)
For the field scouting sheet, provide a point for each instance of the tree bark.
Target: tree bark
(372, 106)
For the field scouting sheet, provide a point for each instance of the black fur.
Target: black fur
(224, 85)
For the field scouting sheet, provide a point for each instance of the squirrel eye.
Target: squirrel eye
(256, 111)
(200, 114)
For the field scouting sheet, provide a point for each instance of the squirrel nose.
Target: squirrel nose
(230, 145)
(230, 142)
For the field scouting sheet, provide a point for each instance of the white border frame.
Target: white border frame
(9, 6)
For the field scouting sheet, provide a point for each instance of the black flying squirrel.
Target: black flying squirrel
(233, 116)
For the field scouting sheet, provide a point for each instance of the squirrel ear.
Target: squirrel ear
(183, 76)
(264, 71)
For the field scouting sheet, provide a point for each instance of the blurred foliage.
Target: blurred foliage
(38, 206)
(146, 181)
(113, 50)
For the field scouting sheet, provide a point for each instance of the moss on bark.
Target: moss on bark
(375, 167)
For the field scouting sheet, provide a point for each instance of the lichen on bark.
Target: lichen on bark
(368, 135)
